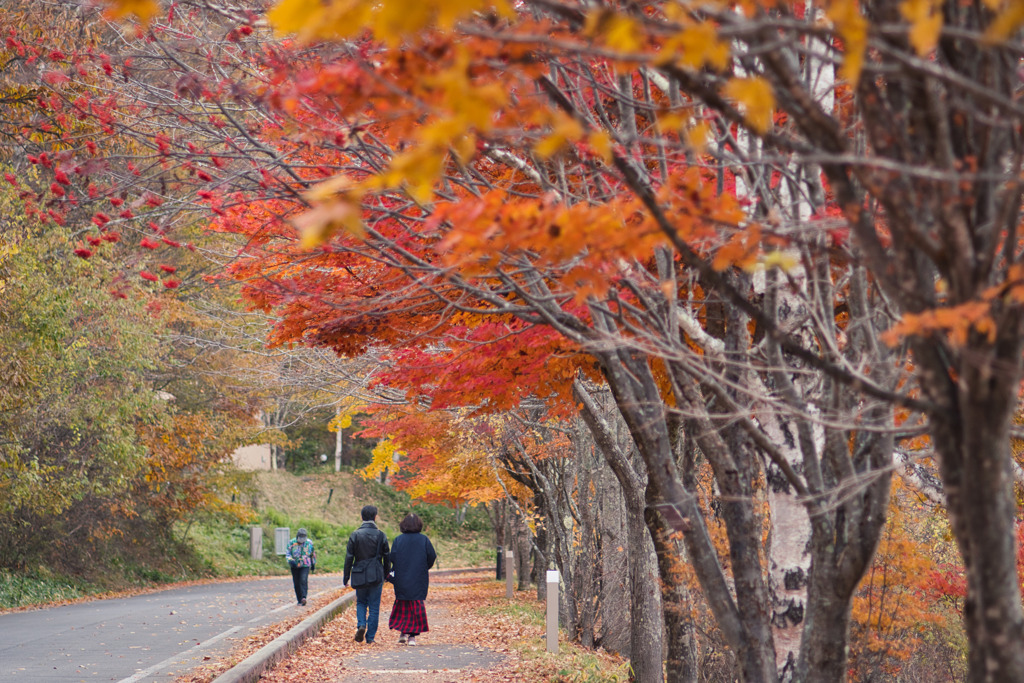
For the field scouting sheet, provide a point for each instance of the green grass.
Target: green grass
(297, 502)
(530, 614)
(572, 663)
(209, 546)
(224, 548)
(589, 669)
(38, 587)
(575, 664)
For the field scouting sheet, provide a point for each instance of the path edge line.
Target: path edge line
(252, 667)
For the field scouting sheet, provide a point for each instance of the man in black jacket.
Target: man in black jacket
(367, 562)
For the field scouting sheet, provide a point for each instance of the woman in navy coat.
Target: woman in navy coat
(412, 555)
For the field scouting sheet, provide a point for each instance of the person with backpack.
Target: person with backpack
(367, 562)
(412, 556)
(301, 560)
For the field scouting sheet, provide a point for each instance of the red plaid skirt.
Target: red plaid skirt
(408, 616)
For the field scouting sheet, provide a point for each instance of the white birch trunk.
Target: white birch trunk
(790, 527)
(788, 557)
(789, 562)
(337, 444)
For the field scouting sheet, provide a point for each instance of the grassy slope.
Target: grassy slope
(215, 548)
(286, 500)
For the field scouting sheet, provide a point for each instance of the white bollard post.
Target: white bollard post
(552, 614)
(509, 555)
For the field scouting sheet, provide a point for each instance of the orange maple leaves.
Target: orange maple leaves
(957, 322)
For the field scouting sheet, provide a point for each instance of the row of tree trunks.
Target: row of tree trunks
(612, 591)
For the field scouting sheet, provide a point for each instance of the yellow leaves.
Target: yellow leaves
(1009, 19)
(320, 223)
(616, 30)
(566, 130)
(853, 29)
(754, 96)
(328, 189)
(472, 104)
(741, 250)
(460, 109)
(389, 20)
(143, 9)
(896, 600)
(394, 20)
(417, 170)
(336, 206)
(347, 408)
(674, 120)
(696, 47)
(7, 250)
(925, 23)
(601, 142)
(698, 136)
(383, 459)
(783, 260)
(312, 19)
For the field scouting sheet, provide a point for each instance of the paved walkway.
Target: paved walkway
(153, 636)
(461, 645)
(435, 657)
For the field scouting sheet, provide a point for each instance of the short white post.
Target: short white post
(256, 542)
(552, 615)
(509, 555)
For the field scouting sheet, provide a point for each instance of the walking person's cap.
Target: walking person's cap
(301, 534)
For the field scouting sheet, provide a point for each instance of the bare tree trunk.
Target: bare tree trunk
(541, 555)
(646, 633)
(614, 569)
(588, 572)
(974, 448)
(681, 658)
(496, 511)
(522, 559)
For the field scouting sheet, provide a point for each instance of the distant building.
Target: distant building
(256, 457)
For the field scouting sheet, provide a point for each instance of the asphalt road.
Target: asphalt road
(152, 637)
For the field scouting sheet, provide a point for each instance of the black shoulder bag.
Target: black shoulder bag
(369, 573)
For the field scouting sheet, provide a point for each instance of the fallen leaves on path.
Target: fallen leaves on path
(464, 612)
(252, 643)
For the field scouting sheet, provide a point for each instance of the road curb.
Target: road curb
(252, 667)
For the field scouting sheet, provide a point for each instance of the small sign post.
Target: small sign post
(256, 542)
(552, 611)
(509, 565)
(282, 535)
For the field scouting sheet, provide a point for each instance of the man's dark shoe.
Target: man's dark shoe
(303, 602)
(359, 634)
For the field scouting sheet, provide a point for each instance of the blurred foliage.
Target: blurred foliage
(96, 457)
(76, 363)
(309, 439)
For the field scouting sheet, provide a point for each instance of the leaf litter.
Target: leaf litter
(468, 616)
